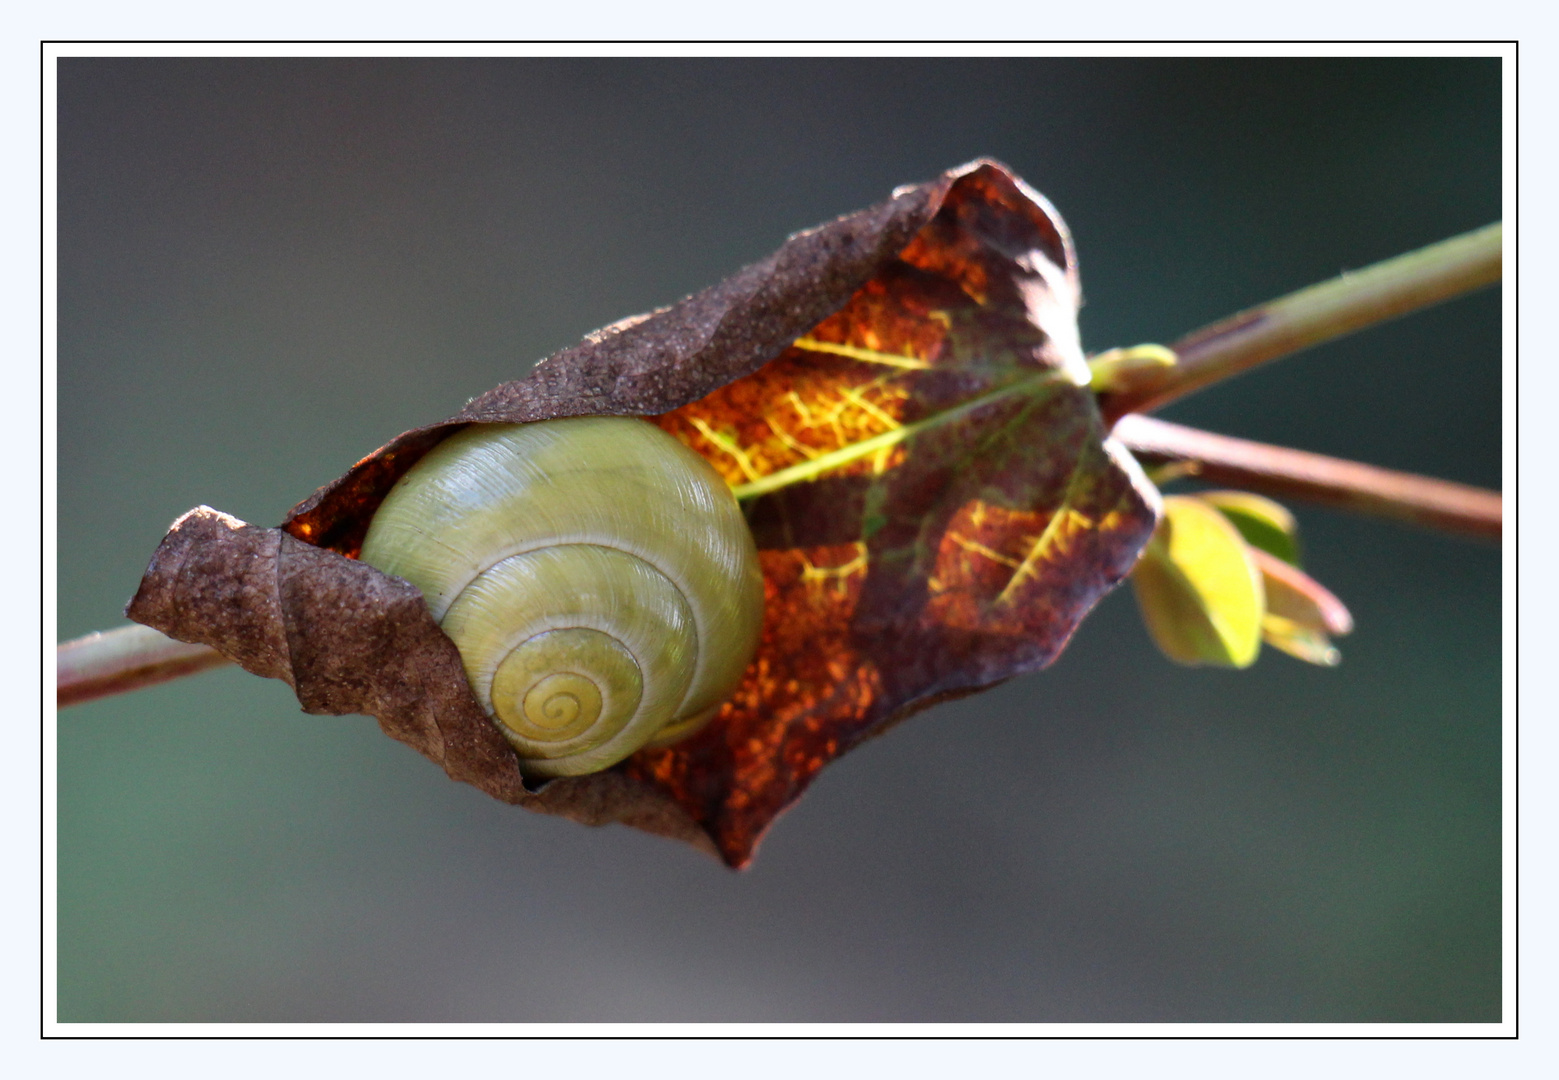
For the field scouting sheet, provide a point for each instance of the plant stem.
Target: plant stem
(116, 661)
(1350, 302)
(1346, 485)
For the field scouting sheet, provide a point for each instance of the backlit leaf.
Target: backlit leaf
(1266, 525)
(1301, 614)
(1199, 588)
(1300, 642)
(987, 517)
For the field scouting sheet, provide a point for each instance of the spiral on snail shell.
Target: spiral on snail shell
(596, 575)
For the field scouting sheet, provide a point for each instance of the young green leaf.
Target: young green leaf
(1265, 525)
(1302, 615)
(1116, 370)
(1199, 589)
(1300, 642)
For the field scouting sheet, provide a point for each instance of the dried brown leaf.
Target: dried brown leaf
(966, 555)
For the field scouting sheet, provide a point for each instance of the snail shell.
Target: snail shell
(596, 575)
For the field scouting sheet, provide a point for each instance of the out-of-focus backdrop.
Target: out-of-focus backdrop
(268, 268)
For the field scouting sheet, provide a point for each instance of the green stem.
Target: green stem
(1310, 316)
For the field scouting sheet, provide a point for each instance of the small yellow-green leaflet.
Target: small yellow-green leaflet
(1201, 594)
(1264, 524)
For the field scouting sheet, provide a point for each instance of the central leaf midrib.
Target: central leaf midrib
(811, 470)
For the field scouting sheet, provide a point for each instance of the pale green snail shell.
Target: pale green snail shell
(596, 575)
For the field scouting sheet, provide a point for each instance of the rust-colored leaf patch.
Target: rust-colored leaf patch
(963, 550)
(899, 398)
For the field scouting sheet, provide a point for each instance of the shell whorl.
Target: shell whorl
(596, 575)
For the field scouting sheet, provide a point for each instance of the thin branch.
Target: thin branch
(117, 661)
(1353, 301)
(1346, 485)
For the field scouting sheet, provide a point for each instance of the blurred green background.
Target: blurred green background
(268, 268)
